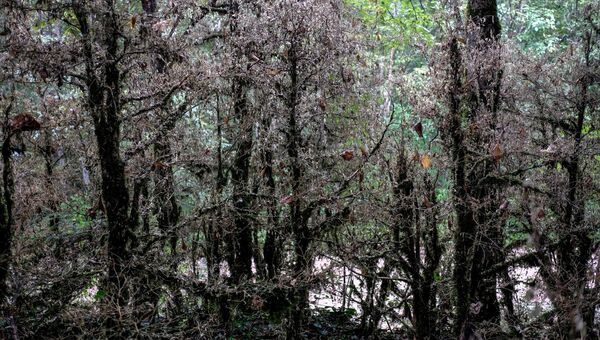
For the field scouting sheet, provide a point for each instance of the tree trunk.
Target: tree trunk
(407, 240)
(272, 248)
(298, 217)
(463, 236)
(103, 99)
(6, 218)
(164, 183)
(483, 13)
(477, 233)
(240, 173)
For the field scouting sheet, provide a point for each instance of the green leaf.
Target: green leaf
(100, 294)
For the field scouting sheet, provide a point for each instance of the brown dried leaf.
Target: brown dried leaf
(497, 152)
(43, 73)
(541, 213)
(24, 122)
(419, 129)
(522, 133)
(426, 161)
(347, 154)
(473, 127)
(322, 104)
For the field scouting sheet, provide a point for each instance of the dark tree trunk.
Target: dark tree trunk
(272, 248)
(298, 217)
(213, 230)
(103, 100)
(168, 209)
(6, 218)
(115, 198)
(48, 154)
(465, 224)
(240, 173)
(214, 236)
(426, 321)
(410, 243)
(483, 13)
(478, 232)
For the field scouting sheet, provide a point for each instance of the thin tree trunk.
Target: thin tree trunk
(463, 236)
(298, 218)
(164, 183)
(272, 247)
(6, 218)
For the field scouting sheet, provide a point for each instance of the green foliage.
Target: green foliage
(397, 22)
(100, 294)
(67, 22)
(74, 212)
(541, 26)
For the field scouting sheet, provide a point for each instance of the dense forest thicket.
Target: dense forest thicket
(401, 169)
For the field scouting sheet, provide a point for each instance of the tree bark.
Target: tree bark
(6, 217)
(272, 248)
(411, 243)
(240, 173)
(298, 217)
(478, 234)
(463, 236)
(103, 96)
